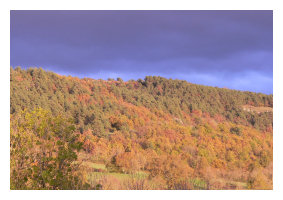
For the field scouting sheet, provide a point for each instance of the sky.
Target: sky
(232, 49)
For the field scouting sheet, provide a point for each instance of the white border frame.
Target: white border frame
(5, 7)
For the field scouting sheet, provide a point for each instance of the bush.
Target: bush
(43, 150)
(236, 130)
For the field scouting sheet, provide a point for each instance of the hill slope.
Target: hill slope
(180, 135)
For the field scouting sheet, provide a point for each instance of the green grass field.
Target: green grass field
(97, 177)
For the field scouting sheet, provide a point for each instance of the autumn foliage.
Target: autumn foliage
(70, 133)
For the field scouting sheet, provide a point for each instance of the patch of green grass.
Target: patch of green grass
(98, 166)
(94, 176)
(121, 176)
(240, 185)
(94, 165)
(198, 184)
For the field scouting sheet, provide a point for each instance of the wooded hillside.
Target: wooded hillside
(159, 133)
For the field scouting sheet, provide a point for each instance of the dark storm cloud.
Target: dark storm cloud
(216, 46)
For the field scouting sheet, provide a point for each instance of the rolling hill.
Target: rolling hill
(155, 133)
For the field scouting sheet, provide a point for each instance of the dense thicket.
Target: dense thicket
(43, 151)
(181, 135)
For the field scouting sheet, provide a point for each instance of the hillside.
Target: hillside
(154, 133)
